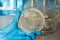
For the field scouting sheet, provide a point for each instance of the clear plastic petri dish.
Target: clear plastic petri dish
(31, 20)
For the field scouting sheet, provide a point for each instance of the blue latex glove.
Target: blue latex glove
(12, 32)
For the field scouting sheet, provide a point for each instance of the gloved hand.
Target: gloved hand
(12, 32)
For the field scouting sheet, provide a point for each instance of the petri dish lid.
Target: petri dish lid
(31, 20)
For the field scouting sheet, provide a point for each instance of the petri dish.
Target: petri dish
(31, 20)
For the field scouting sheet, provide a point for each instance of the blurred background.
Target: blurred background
(51, 11)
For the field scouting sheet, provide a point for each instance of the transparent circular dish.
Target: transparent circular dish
(31, 20)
